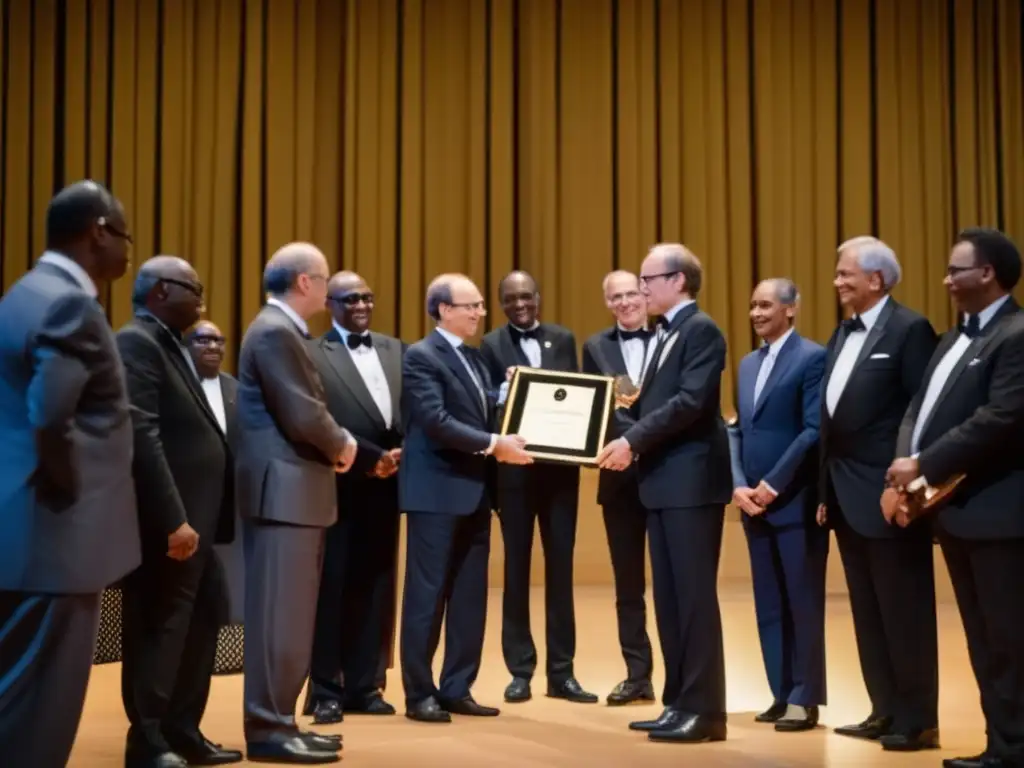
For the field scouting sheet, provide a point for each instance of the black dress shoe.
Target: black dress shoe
(161, 760)
(207, 753)
(629, 691)
(571, 690)
(428, 711)
(872, 729)
(325, 741)
(518, 691)
(772, 714)
(469, 707)
(693, 729)
(371, 704)
(327, 712)
(294, 750)
(911, 741)
(978, 761)
(669, 718)
(796, 724)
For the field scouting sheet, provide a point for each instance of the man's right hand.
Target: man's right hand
(183, 543)
(348, 455)
(822, 516)
(743, 498)
(511, 449)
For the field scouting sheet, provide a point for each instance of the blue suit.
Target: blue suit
(775, 440)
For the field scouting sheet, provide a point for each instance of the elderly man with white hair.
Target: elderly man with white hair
(876, 360)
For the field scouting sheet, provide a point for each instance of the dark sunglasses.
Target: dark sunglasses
(192, 287)
(209, 341)
(351, 299)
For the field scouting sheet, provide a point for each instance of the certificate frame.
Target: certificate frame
(515, 403)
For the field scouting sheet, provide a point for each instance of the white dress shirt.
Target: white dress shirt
(367, 362)
(292, 314)
(530, 347)
(73, 268)
(768, 363)
(457, 343)
(945, 367)
(848, 356)
(637, 355)
(215, 397)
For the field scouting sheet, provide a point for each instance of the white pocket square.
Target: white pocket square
(975, 361)
(879, 356)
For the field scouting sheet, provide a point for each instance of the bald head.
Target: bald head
(157, 269)
(350, 301)
(75, 210)
(455, 303)
(289, 262)
(344, 281)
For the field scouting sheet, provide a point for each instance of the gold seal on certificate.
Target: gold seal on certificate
(562, 416)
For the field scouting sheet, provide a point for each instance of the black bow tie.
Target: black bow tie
(854, 324)
(661, 322)
(518, 334)
(639, 333)
(972, 328)
(356, 340)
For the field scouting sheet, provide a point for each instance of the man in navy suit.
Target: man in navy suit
(774, 462)
(448, 405)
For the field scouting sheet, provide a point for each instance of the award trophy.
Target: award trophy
(626, 392)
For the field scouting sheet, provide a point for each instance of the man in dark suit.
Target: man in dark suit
(546, 494)
(624, 350)
(205, 344)
(174, 604)
(68, 527)
(289, 448)
(774, 471)
(362, 375)
(448, 405)
(874, 366)
(682, 453)
(967, 420)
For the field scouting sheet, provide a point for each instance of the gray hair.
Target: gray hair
(873, 255)
(283, 270)
(145, 282)
(439, 292)
(785, 291)
(618, 273)
(678, 258)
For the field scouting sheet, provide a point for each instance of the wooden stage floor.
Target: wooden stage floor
(544, 732)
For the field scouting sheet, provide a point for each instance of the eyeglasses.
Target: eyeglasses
(351, 299)
(191, 287)
(209, 341)
(115, 231)
(953, 270)
(644, 279)
(478, 305)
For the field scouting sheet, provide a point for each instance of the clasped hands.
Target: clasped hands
(897, 505)
(754, 501)
(387, 464)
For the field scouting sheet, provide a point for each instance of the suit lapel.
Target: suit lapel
(348, 374)
(876, 333)
(782, 363)
(547, 346)
(454, 362)
(664, 346)
(612, 352)
(512, 352)
(390, 354)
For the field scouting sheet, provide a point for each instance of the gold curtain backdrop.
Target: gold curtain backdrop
(411, 137)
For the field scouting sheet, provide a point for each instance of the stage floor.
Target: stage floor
(545, 732)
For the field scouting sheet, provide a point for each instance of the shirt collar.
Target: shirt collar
(870, 317)
(450, 337)
(73, 268)
(775, 346)
(292, 314)
(344, 333)
(670, 314)
(986, 315)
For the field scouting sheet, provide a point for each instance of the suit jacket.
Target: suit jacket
(350, 403)
(858, 443)
(776, 440)
(287, 441)
(447, 430)
(557, 353)
(975, 428)
(182, 463)
(231, 553)
(679, 437)
(602, 355)
(68, 522)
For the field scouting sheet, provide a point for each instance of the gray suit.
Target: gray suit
(284, 479)
(68, 526)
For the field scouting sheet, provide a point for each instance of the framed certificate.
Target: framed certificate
(562, 416)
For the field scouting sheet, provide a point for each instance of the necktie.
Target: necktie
(355, 341)
(767, 361)
(854, 324)
(641, 333)
(972, 328)
(518, 334)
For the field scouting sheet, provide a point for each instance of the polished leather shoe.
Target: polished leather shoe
(772, 714)
(978, 761)
(796, 724)
(326, 741)
(629, 691)
(872, 729)
(327, 712)
(372, 704)
(294, 750)
(669, 718)
(571, 690)
(693, 729)
(207, 753)
(469, 707)
(428, 711)
(911, 741)
(162, 760)
(518, 691)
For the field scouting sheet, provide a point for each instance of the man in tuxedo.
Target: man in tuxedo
(448, 405)
(174, 604)
(624, 350)
(362, 375)
(546, 494)
(774, 472)
(289, 448)
(205, 343)
(68, 527)
(682, 453)
(875, 362)
(967, 420)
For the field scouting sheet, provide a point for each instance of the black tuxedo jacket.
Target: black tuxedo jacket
(557, 353)
(858, 442)
(602, 355)
(975, 427)
(679, 437)
(182, 464)
(351, 405)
